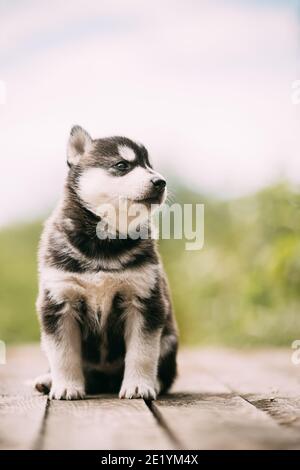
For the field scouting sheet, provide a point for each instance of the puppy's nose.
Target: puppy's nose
(158, 183)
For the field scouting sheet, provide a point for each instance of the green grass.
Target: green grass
(18, 283)
(241, 289)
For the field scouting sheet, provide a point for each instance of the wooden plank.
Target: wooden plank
(21, 409)
(206, 414)
(103, 422)
(222, 400)
(21, 421)
(23, 364)
(268, 379)
(96, 423)
(267, 372)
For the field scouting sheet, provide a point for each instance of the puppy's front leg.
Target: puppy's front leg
(62, 344)
(141, 360)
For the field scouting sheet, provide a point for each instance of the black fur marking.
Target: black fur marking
(153, 309)
(100, 382)
(93, 247)
(91, 348)
(90, 337)
(106, 152)
(115, 330)
(140, 259)
(60, 259)
(51, 314)
(167, 369)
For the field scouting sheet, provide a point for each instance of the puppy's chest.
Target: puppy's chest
(98, 290)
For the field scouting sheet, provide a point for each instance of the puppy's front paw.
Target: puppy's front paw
(139, 388)
(66, 391)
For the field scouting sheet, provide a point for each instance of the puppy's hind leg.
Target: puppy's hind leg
(167, 367)
(43, 383)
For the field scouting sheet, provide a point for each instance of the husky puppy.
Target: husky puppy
(104, 307)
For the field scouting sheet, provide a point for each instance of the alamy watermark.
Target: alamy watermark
(2, 353)
(296, 354)
(295, 92)
(128, 219)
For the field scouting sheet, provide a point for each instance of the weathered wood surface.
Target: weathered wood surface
(217, 401)
(223, 399)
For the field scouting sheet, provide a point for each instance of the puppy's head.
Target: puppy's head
(103, 171)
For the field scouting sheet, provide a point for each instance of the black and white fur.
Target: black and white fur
(106, 318)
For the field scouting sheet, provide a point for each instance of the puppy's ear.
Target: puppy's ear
(80, 142)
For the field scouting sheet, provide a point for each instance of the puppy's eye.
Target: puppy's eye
(122, 166)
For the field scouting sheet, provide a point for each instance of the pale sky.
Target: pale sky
(205, 85)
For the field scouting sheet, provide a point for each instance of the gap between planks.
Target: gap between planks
(177, 444)
(266, 379)
(102, 422)
(208, 412)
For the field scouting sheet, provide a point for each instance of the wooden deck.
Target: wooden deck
(223, 399)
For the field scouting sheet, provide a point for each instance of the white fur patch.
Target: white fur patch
(127, 153)
(97, 187)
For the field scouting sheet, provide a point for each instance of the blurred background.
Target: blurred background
(206, 85)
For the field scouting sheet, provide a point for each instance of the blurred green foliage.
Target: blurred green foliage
(241, 289)
(18, 282)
